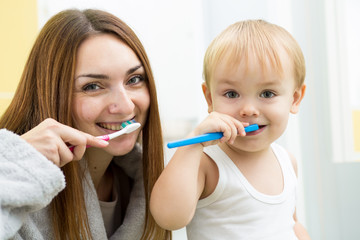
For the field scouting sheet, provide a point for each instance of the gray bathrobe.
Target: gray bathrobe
(28, 183)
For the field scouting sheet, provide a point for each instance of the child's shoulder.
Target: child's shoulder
(210, 171)
(281, 151)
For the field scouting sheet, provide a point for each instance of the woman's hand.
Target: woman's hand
(219, 122)
(50, 138)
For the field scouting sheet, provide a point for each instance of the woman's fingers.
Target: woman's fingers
(52, 138)
(65, 155)
(80, 144)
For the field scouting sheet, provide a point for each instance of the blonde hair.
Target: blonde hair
(258, 37)
(45, 91)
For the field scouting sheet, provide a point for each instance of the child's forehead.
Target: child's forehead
(250, 43)
(249, 75)
(250, 61)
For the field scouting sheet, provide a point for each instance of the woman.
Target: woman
(86, 74)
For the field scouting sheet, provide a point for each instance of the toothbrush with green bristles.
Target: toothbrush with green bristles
(127, 127)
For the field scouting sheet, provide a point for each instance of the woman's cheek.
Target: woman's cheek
(85, 111)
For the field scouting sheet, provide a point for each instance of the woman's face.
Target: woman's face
(110, 89)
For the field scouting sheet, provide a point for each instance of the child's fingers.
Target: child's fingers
(238, 126)
(231, 129)
(219, 122)
(241, 128)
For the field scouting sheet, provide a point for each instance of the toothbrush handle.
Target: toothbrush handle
(251, 128)
(198, 139)
(205, 137)
(104, 137)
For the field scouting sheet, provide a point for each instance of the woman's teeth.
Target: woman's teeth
(114, 127)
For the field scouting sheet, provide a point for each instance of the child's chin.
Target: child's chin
(251, 146)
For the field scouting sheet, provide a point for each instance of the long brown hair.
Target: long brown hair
(45, 91)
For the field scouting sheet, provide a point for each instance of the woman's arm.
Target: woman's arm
(28, 182)
(30, 176)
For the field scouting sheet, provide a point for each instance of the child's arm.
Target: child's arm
(181, 184)
(176, 192)
(299, 229)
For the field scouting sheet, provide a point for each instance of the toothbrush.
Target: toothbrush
(206, 137)
(127, 127)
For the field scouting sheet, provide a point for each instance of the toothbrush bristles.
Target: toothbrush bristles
(124, 124)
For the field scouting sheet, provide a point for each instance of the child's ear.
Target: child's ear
(297, 97)
(207, 95)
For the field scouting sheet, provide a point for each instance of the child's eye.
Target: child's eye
(135, 79)
(231, 94)
(91, 87)
(267, 94)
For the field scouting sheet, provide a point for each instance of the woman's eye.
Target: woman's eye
(136, 79)
(91, 87)
(267, 94)
(231, 94)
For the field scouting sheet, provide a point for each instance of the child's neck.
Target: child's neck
(261, 169)
(237, 154)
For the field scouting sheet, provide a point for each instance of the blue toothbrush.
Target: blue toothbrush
(205, 137)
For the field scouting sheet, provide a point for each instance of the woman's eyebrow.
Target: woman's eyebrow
(103, 76)
(93, 75)
(133, 69)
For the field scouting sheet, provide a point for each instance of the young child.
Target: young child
(242, 186)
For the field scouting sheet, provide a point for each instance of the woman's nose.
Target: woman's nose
(121, 102)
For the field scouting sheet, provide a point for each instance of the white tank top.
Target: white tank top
(236, 210)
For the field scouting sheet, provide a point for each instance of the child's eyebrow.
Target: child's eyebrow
(270, 82)
(229, 81)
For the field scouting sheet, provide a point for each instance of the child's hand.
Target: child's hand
(219, 122)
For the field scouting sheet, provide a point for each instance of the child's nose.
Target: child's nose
(248, 109)
(121, 102)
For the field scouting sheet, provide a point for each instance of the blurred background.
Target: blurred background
(324, 136)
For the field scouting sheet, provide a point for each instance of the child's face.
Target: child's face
(254, 96)
(110, 89)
